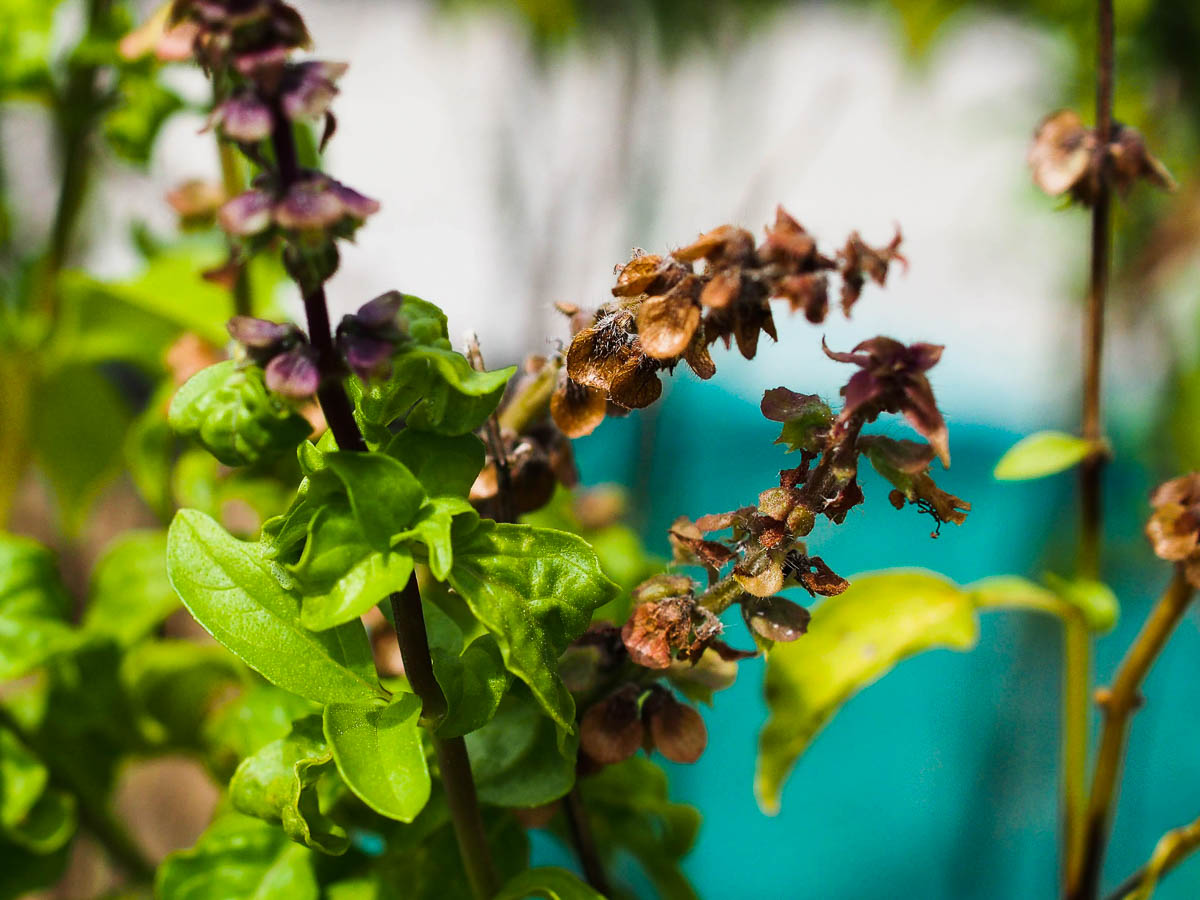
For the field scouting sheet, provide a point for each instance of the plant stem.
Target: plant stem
(584, 841)
(1119, 702)
(108, 832)
(1076, 645)
(411, 635)
(1172, 849)
(233, 183)
(505, 510)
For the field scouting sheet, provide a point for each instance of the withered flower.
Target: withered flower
(667, 622)
(611, 731)
(284, 352)
(1174, 528)
(859, 261)
(675, 729)
(1066, 157)
(775, 618)
(892, 379)
(241, 32)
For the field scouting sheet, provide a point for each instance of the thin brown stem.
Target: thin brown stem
(504, 489)
(1119, 702)
(585, 842)
(411, 635)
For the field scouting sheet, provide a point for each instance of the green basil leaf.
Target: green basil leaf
(176, 685)
(378, 750)
(443, 465)
(1092, 601)
(48, 825)
(432, 389)
(1042, 454)
(437, 524)
(25, 873)
(516, 758)
(236, 595)
(630, 812)
(239, 856)
(247, 722)
(853, 640)
(535, 590)
(23, 779)
(384, 494)
(279, 784)
(549, 882)
(229, 410)
(79, 423)
(33, 607)
(469, 667)
(143, 108)
(365, 584)
(130, 593)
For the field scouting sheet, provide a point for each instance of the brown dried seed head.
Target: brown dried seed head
(577, 409)
(1174, 529)
(677, 730)
(1061, 153)
(611, 731)
(775, 618)
(666, 325)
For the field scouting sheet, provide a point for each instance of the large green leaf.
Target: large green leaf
(467, 662)
(1042, 454)
(279, 784)
(630, 812)
(438, 524)
(535, 590)
(237, 596)
(239, 856)
(549, 882)
(33, 607)
(378, 751)
(228, 409)
(853, 639)
(130, 592)
(444, 465)
(247, 722)
(516, 758)
(384, 495)
(433, 389)
(79, 423)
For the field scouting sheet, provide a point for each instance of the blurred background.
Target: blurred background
(521, 149)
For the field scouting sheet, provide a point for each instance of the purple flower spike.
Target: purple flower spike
(294, 374)
(354, 203)
(246, 214)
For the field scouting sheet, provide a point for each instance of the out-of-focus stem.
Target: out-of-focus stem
(233, 183)
(1119, 703)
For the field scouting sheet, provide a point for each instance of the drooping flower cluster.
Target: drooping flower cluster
(365, 341)
(1066, 158)
(666, 312)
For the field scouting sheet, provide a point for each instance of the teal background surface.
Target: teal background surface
(940, 780)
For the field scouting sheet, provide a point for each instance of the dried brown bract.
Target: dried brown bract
(666, 312)
(1066, 157)
(1174, 528)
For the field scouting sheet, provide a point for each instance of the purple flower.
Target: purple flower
(243, 118)
(368, 339)
(891, 378)
(315, 202)
(284, 351)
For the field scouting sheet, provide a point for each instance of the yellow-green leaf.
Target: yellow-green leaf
(1042, 454)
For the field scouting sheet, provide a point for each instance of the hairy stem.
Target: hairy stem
(1119, 703)
(1077, 842)
(585, 843)
(411, 636)
(93, 814)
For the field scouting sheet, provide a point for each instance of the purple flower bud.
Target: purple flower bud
(316, 202)
(309, 88)
(243, 118)
(368, 357)
(355, 204)
(246, 214)
(260, 334)
(294, 373)
(380, 312)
